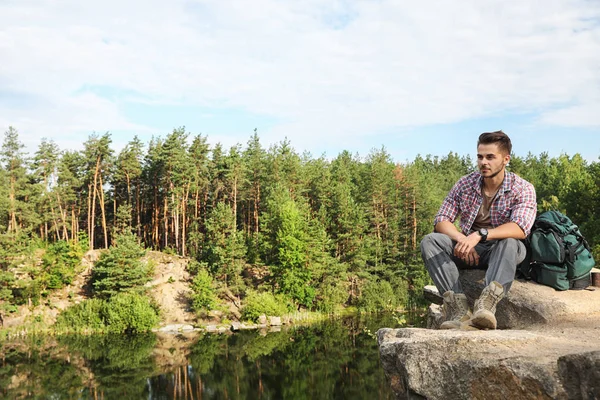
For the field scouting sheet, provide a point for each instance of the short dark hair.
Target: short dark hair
(500, 138)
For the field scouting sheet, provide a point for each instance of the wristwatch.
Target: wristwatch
(483, 233)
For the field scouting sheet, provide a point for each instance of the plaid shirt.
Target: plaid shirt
(515, 202)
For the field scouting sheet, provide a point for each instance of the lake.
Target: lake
(337, 359)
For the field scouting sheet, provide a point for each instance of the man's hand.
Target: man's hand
(465, 249)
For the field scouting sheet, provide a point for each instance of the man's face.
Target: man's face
(490, 160)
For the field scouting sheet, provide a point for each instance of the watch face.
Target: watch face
(483, 232)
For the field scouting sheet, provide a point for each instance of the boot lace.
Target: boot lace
(489, 299)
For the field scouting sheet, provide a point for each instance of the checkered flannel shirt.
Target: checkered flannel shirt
(515, 202)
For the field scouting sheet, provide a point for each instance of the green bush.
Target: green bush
(123, 313)
(377, 295)
(130, 313)
(265, 303)
(84, 316)
(204, 297)
(332, 294)
(61, 261)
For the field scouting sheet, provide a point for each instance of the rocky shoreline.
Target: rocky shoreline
(270, 323)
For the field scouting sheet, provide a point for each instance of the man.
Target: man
(496, 209)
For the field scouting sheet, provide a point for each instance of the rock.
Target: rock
(529, 303)
(275, 321)
(431, 293)
(555, 357)
(215, 314)
(174, 328)
(517, 364)
(434, 316)
(236, 326)
(262, 319)
(580, 374)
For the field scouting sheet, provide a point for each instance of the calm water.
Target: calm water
(334, 360)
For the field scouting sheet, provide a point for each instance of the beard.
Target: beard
(494, 174)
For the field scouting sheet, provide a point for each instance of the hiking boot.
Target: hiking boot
(485, 306)
(467, 326)
(455, 310)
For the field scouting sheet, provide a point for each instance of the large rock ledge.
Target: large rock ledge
(430, 364)
(548, 347)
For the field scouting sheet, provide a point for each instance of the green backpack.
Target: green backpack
(559, 256)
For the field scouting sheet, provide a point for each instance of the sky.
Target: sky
(418, 77)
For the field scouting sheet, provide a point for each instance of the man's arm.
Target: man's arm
(449, 229)
(505, 231)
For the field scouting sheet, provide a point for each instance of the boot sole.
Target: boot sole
(484, 321)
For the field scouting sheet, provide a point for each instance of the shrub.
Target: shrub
(332, 294)
(265, 303)
(377, 295)
(85, 316)
(60, 263)
(123, 313)
(203, 297)
(129, 313)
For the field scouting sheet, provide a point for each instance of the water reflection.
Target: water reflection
(333, 360)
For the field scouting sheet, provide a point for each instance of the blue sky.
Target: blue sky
(416, 77)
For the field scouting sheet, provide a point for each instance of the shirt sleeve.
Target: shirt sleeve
(524, 212)
(450, 206)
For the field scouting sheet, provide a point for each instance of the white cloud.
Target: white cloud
(330, 70)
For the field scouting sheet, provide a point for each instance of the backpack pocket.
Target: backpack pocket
(551, 275)
(547, 247)
(579, 263)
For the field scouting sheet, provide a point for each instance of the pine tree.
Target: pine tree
(97, 155)
(20, 215)
(120, 269)
(45, 177)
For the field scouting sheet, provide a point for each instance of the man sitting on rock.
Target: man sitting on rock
(496, 209)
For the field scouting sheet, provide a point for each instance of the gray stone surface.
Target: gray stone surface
(580, 375)
(434, 316)
(275, 321)
(484, 365)
(431, 293)
(172, 328)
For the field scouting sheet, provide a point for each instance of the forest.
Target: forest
(319, 232)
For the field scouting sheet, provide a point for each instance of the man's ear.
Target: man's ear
(506, 159)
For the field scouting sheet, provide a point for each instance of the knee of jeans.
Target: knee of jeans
(510, 243)
(427, 240)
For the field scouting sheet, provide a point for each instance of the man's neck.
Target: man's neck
(492, 184)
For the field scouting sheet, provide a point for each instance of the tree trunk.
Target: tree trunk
(92, 215)
(102, 209)
(63, 215)
(414, 221)
(235, 204)
(176, 221)
(12, 223)
(166, 207)
(186, 196)
(55, 221)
